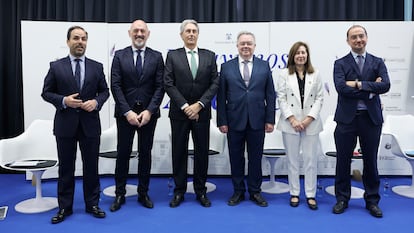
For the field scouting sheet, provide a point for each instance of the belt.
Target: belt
(138, 107)
(361, 112)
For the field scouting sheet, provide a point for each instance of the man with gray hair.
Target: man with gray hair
(191, 82)
(245, 111)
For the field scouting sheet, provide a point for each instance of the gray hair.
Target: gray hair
(187, 21)
(246, 33)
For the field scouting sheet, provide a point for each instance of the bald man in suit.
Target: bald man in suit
(137, 88)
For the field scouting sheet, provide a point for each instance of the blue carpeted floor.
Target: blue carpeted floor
(191, 217)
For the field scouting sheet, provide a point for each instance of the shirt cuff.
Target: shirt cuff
(202, 105)
(184, 106)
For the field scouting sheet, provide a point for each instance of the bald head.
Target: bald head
(139, 33)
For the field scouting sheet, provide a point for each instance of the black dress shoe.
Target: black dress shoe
(340, 207)
(293, 202)
(312, 206)
(235, 199)
(204, 201)
(258, 200)
(177, 199)
(375, 211)
(96, 212)
(145, 200)
(60, 216)
(116, 205)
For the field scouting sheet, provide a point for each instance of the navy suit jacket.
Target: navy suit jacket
(182, 88)
(127, 88)
(60, 82)
(346, 69)
(237, 104)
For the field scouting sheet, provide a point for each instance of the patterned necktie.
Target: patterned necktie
(138, 63)
(246, 73)
(193, 63)
(78, 73)
(360, 62)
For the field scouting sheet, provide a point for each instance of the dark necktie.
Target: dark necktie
(78, 73)
(138, 63)
(246, 73)
(360, 62)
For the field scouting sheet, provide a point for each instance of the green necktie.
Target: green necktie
(193, 63)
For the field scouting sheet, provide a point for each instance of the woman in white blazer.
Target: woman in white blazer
(300, 97)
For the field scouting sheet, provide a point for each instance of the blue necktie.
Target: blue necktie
(138, 63)
(360, 62)
(78, 73)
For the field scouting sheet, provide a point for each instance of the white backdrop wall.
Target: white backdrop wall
(392, 41)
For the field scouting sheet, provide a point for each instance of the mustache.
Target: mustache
(140, 37)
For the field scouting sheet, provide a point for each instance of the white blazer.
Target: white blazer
(288, 98)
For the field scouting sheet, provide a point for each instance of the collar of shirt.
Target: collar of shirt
(355, 55)
(72, 58)
(187, 50)
(241, 65)
(241, 60)
(135, 49)
(82, 65)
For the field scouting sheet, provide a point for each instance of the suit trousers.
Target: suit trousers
(305, 146)
(346, 136)
(126, 134)
(180, 131)
(237, 141)
(67, 148)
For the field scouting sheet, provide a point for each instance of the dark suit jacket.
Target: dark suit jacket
(182, 88)
(127, 88)
(237, 104)
(60, 82)
(346, 69)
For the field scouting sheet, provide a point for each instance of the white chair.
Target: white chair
(217, 144)
(399, 127)
(328, 148)
(108, 150)
(274, 149)
(35, 151)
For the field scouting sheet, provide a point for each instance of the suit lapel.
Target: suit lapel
(147, 60)
(308, 85)
(236, 68)
(68, 70)
(351, 60)
(293, 83)
(182, 56)
(367, 64)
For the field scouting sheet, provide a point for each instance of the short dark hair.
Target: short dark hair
(73, 28)
(356, 26)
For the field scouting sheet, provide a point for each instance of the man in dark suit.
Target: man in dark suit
(76, 86)
(191, 81)
(136, 85)
(359, 79)
(245, 111)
